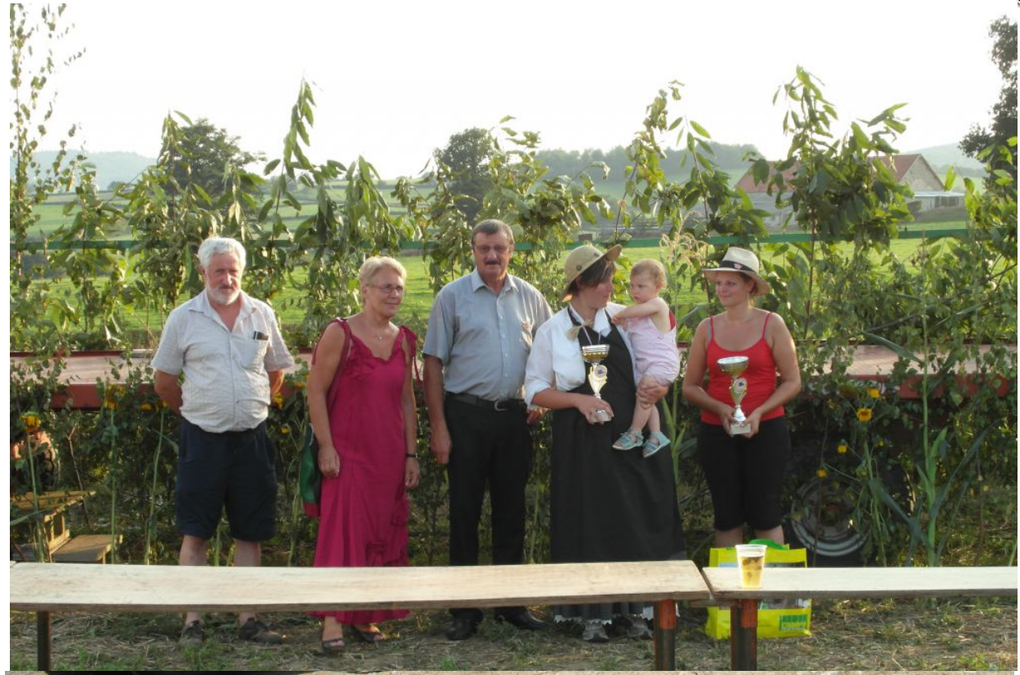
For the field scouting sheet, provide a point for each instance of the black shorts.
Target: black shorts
(236, 469)
(745, 475)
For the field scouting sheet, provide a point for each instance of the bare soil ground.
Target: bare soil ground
(918, 635)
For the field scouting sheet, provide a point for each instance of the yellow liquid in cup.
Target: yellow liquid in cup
(750, 570)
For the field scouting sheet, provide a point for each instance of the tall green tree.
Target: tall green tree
(204, 155)
(35, 37)
(1003, 126)
(466, 158)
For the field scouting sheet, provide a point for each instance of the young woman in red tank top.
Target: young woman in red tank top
(744, 473)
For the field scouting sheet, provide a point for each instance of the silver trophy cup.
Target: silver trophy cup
(598, 374)
(734, 366)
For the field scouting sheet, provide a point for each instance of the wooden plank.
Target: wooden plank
(165, 588)
(82, 369)
(866, 582)
(51, 500)
(86, 548)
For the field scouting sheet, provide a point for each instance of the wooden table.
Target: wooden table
(45, 588)
(835, 582)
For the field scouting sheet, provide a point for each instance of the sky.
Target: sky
(393, 80)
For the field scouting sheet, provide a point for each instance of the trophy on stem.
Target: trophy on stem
(734, 366)
(598, 373)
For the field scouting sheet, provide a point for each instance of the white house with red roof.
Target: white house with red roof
(911, 170)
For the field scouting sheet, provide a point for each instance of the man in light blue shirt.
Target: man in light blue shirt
(476, 349)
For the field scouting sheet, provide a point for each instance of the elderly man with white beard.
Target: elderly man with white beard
(229, 347)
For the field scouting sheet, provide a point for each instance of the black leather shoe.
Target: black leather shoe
(463, 627)
(524, 620)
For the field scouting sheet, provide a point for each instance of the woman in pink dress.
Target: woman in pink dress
(361, 405)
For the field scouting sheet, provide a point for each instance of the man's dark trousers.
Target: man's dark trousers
(489, 448)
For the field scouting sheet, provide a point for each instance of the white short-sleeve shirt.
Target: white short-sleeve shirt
(555, 361)
(226, 385)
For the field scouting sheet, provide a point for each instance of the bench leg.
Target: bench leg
(744, 635)
(43, 642)
(665, 635)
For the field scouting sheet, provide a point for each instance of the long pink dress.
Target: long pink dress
(364, 509)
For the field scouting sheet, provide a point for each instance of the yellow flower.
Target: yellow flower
(298, 384)
(873, 392)
(278, 400)
(284, 430)
(146, 407)
(110, 397)
(821, 473)
(864, 414)
(841, 448)
(31, 421)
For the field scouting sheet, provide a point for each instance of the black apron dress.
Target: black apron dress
(609, 505)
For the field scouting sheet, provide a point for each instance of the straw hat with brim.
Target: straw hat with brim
(743, 261)
(580, 259)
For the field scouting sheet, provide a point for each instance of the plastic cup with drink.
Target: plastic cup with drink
(751, 562)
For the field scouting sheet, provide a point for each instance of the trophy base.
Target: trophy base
(739, 429)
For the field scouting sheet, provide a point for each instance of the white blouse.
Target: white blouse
(555, 359)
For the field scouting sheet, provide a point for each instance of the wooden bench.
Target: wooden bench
(54, 587)
(50, 510)
(834, 582)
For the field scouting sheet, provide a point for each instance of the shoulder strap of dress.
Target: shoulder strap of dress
(765, 324)
(711, 328)
(412, 351)
(347, 341)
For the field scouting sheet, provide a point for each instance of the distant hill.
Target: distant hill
(570, 162)
(125, 166)
(122, 167)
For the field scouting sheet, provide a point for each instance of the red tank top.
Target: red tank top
(760, 376)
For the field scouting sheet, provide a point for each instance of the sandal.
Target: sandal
(372, 635)
(630, 439)
(657, 441)
(333, 646)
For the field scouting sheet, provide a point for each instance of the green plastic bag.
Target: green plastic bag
(777, 617)
(309, 476)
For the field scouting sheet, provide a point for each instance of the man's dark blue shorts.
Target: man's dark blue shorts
(236, 469)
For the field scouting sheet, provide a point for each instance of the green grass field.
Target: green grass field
(138, 323)
(51, 212)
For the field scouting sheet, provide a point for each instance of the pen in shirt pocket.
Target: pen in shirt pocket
(259, 336)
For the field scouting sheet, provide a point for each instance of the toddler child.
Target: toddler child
(651, 328)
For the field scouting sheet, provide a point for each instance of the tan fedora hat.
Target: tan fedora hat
(740, 260)
(580, 259)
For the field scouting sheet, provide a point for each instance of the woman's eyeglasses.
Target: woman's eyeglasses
(388, 289)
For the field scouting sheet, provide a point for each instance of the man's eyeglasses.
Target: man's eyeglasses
(499, 250)
(388, 289)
